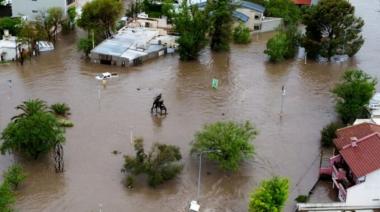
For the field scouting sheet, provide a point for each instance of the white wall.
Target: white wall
(32, 8)
(270, 24)
(366, 193)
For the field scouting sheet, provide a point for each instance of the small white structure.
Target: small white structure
(194, 206)
(32, 8)
(8, 47)
(374, 103)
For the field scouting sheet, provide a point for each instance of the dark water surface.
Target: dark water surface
(250, 89)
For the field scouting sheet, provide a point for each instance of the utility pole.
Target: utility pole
(283, 93)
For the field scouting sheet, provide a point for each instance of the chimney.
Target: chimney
(354, 141)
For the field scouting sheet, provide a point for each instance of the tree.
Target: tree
(33, 132)
(160, 164)
(192, 26)
(332, 28)
(14, 175)
(11, 24)
(231, 142)
(220, 14)
(285, 9)
(328, 133)
(85, 45)
(52, 21)
(270, 196)
(30, 33)
(100, 16)
(30, 107)
(353, 94)
(242, 35)
(6, 197)
(283, 45)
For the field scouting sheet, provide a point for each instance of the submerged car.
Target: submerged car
(105, 75)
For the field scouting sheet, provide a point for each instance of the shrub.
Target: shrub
(14, 175)
(6, 198)
(60, 109)
(302, 199)
(283, 45)
(242, 34)
(85, 45)
(328, 133)
(231, 142)
(160, 164)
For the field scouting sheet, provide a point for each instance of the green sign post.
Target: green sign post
(214, 83)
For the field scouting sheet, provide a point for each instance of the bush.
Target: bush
(85, 45)
(160, 164)
(270, 196)
(242, 34)
(302, 199)
(231, 142)
(60, 109)
(32, 135)
(6, 197)
(14, 175)
(130, 181)
(328, 133)
(283, 45)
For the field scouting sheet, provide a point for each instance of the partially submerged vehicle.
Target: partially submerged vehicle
(105, 76)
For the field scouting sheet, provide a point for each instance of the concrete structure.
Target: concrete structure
(132, 46)
(8, 48)
(366, 193)
(33, 8)
(252, 15)
(335, 207)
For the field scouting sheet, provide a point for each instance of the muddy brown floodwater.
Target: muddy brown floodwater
(250, 89)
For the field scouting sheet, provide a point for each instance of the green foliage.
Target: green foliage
(6, 197)
(192, 26)
(270, 196)
(60, 109)
(353, 94)
(168, 9)
(85, 45)
(51, 21)
(11, 24)
(328, 133)
(285, 9)
(31, 32)
(65, 122)
(14, 175)
(221, 20)
(33, 132)
(72, 14)
(100, 16)
(283, 45)
(302, 199)
(232, 142)
(30, 107)
(332, 28)
(242, 34)
(160, 164)
(130, 181)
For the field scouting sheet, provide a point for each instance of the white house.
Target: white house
(367, 192)
(8, 48)
(32, 8)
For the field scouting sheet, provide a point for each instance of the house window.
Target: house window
(257, 17)
(34, 11)
(256, 27)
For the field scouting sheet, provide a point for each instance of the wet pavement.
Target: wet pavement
(105, 116)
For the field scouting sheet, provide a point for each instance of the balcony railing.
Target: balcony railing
(342, 192)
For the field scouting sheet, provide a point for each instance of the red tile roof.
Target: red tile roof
(302, 2)
(359, 131)
(364, 157)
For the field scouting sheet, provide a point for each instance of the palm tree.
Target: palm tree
(60, 109)
(30, 107)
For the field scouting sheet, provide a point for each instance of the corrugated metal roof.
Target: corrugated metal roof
(240, 16)
(252, 6)
(363, 158)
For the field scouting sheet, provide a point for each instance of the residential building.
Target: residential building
(33, 8)
(356, 169)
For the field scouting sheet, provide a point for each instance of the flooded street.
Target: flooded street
(105, 116)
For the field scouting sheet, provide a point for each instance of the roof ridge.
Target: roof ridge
(362, 139)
